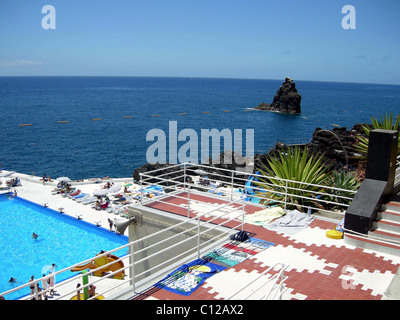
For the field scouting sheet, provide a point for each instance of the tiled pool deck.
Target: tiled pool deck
(319, 267)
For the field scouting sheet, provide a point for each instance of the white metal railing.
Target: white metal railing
(290, 191)
(276, 283)
(397, 174)
(369, 236)
(235, 204)
(184, 190)
(63, 285)
(196, 224)
(130, 278)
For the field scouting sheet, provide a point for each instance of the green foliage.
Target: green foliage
(385, 122)
(304, 172)
(342, 180)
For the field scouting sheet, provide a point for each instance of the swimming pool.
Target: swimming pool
(62, 240)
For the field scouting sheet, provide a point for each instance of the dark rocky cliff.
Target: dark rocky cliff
(286, 100)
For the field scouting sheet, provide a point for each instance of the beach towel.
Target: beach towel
(293, 222)
(264, 216)
(189, 277)
(186, 279)
(235, 252)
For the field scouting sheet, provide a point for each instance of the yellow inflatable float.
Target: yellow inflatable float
(334, 234)
(100, 297)
(103, 261)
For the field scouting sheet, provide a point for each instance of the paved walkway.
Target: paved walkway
(319, 268)
(34, 190)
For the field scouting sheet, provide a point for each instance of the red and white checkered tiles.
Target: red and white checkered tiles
(319, 268)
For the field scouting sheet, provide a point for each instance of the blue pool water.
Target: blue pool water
(62, 240)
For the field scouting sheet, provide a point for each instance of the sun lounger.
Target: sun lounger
(113, 210)
(81, 195)
(68, 192)
(101, 206)
(13, 182)
(3, 187)
(74, 193)
(85, 197)
(6, 174)
(90, 200)
(120, 210)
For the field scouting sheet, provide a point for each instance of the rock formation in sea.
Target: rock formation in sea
(286, 100)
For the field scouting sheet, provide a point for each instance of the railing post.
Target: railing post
(198, 236)
(188, 206)
(281, 284)
(141, 188)
(132, 266)
(396, 188)
(232, 186)
(244, 212)
(286, 190)
(184, 176)
(36, 291)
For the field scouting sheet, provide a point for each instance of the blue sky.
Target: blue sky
(262, 39)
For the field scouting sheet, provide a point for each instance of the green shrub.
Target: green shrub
(304, 172)
(342, 180)
(386, 122)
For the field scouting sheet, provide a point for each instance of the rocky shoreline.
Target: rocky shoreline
(336, 147)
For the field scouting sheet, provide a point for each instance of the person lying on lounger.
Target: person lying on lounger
(13, 182)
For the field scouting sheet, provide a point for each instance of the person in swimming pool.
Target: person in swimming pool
(12, 280)
(14, 194)
(111, 223)
(53, 267)
(35, 236)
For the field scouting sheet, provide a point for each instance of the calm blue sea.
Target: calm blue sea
(116, 145)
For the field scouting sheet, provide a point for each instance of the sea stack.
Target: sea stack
(286, 100)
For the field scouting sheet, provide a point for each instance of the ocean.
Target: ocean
(90, 127)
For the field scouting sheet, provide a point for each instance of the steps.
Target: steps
(385, 234)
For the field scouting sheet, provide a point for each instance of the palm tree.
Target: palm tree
(293, 178)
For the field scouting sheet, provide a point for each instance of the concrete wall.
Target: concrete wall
(149, 222)
(378, 185)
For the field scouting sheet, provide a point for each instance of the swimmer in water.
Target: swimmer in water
(12, 280)
(35, 236)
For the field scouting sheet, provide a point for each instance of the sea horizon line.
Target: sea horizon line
(191, 77)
